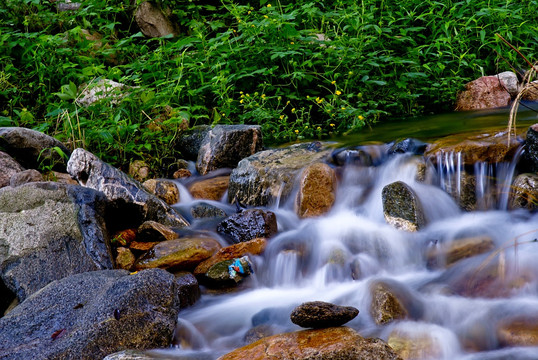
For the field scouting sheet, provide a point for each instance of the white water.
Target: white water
(338, 256)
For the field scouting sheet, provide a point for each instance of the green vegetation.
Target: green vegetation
(300, 69)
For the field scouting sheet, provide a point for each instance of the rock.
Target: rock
(391, 301)
(415, 345)
(272, 316)
(191, 140)
(530, 157)
(165, 190)
(319, 314)
(228, 272)
(327, 344)
(459, 249)
(268, 175)
(205, 210)
(409, 146)
(225, 145)
(63, 178)
(529, 91)
(524, 192)
(518, 331)
(49, 231)
(31, 148)
(179, 254)
(139, 171)
(248, 225)
(151, 231)
(91, 172)
(464, 193)
(24, 177)
(486, 92)
(510, 82)
(124, 237)
(259, 332)
(90, 315)
(102, 89)
(8, 168)
(125, 258)
(357, 157)
(6, 298)
(402, 208)
(317, 190)
(152, 22)
(182, 173)
(142, 246)
(212, 189)
(252, 247)
(189, 291)
(130, 355)
(68, 6)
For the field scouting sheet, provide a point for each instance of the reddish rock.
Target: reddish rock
(459, 249)
(520, 331)
(124, 237)
(212, 189)
(317, 190)
(152, 231)
(486, 92)
(164, 189)
(142, 246)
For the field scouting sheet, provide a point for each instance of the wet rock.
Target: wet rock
(263, 177)
(191, 140)
(252, 247)
(91, 172)
(124, 237)
(529, 91)
(179, 254)
(130, 355)
(31, 148)
(212, 189)
(530, 157)
(49, 231)
(139, 170)
(8, 168)
(519, 331)
(102, 89)
(319, 314)
(328, 344)
(248, 225)
(357, 157)
(486, 92)
(464, 193)
(181, 174)
(228, 272)
(409, 146)
(90, 315)
(165, 190)
(317, 190)
(259, 332)
(125, 258)
(415, 346)
(153, 22)
(151, 231)
(142, 246)
(25, 177)
(189, 291)
(459, 249)
(391, 301)
(402, 208)
(524, 192)
(225, 145)
(272, 316)
(205, 210)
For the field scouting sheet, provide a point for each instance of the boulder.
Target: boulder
(165, 190)
(459, 249)
(205, 210)
(191, 140)
(408, 146)
(319, 314)
(259, 332)
(189, 291)
(91, 172)
(524, 192)
(510, 82)
(317, 190)
(8, 168)
(402, 208)
(211, 189)
(328, 344)
(179, 254)
(268, 175)
(225, 145)
(518, 331)
(49, 231)
(248, 225)
(102, 89)
(24, 177)
(139, 170)
(152, 22)
(91, 315)
(392, 301)
(530, 157)
(31, 148)
(486, 92)
(151, 231)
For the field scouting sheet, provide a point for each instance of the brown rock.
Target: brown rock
(415, 346)
(142, 246)
(459, 249)
(124, 237)
(125, 258)
(179, 254)
(152, 22)
(25, 177)
(524, 192)
(519, 331)
(391, 301)
(182, 173)
(139, 170)
(530, 91)
(212, 189)
(164, 189)
(254, 247)
(60, 177)
(335, 343)
(8, 168)
(152, 231)
(486, 92)
(317, 190)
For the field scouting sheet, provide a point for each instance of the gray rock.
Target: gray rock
(30, 148)
(24, 177)
(49, 231)
(530, 157)
(319, 314)
(267, 175)
(129, 355)
(91, 172)
(510, 82)
(191, 140)
(524, 192)
(102, 89)
(401, 207)
(8, 168)
(152, 22)
(409, 145)
(225, 145)
(91, 315)
(205, 210)
(189, 291)
(248, 225)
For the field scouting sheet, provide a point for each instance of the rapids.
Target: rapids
(337, 257)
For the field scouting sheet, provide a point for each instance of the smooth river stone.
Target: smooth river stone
(319, 314)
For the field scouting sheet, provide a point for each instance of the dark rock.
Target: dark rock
(524, 192)
(319, 314)
(268, 175)
(90, 315)
(204, 210)
(530, 157)
(24, 177)
(317, 190)
(31, 148)
(225, 145)
(49, 231)
(486, 92)
(6, 297)
(189, 291)
(191, 140)
(91, 172)
(153, 22)
(391, 301)
(152, 231)
(212, 189)
(248, 225)
(8, 168)
(165, 190)
(409, 145)
(357, 157)
(402, 208)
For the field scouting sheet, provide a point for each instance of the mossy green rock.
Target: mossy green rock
(401, 207)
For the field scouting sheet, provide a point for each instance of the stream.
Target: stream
(337, 257)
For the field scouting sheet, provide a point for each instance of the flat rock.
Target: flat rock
(402, 208)
(317, 190)
(459, 249)
(8, 168)
(486, 92)
(319, 314)
(248, 225)
(211, 189)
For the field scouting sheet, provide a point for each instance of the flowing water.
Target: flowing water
(339, 256)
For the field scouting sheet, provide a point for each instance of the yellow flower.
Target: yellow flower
(268, 5)
(241, 101)
(292, 43)
(287, 102)
(281, 117)
(319, 100)
(338, 92)
(350, 73)
(263, 96)
(296, 131)
(248, 95)
(240, 92)
(361, 117)
(307, 97)
(249, 12)
(331, 125)
(242, 96)
(265, 16)
(306, 127)
(293, 110)
(333, 82)
(343, 108)
(318, 129)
